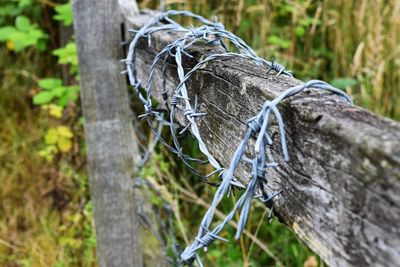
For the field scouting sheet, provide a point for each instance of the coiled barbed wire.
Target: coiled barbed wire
(179, 46)
(257, 127)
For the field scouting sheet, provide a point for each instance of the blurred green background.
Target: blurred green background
(45, 210)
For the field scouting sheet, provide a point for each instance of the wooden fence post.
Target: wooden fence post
(108, 130)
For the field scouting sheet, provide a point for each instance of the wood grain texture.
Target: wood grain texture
(341, 187)
(108, 130)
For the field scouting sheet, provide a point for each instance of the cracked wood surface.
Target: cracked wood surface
(341, 187)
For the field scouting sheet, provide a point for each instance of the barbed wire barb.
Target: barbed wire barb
(257, 127)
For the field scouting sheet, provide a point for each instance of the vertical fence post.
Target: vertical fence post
(108, 131)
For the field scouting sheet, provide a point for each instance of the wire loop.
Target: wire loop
(257, 127)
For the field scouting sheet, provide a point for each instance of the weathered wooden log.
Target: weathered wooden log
(341, 187)
(111, 148)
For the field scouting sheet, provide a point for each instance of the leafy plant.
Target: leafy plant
(23, 35)
(54, 110)
(278, 41)
(64, 14)
(57, 139)
(52, 88)
(14, 8)
(68, 55)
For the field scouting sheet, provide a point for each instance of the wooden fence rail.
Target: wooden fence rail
(341, 187)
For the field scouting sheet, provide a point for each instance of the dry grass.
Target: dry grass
(365, 39)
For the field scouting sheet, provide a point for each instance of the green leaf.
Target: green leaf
(50, 83)
(8, 10)
(244, 25)
(275, 40)
(64, 14)
(299, 31)
(22, 23)
(43, 98)
(81, 121)
(41, 45)
(24, 3)
(67, 54)
(285, 9)
(36, 34)
(70, 95)
(59, 91)
(308, 21)
(344, 82)
(21, 41)
(21, 36)
(48, 152)
(74, 88)
(6, 32)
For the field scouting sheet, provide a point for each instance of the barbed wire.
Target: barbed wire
(215, 34)
(257, 127)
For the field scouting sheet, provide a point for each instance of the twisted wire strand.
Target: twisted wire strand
(189, 112)
(185, 158)
(257, 127)
(147, 31)
(179, 45)
(200, 32)
(181, 89)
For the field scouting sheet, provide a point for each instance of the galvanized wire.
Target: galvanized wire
(257, 127)
(215, 35)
